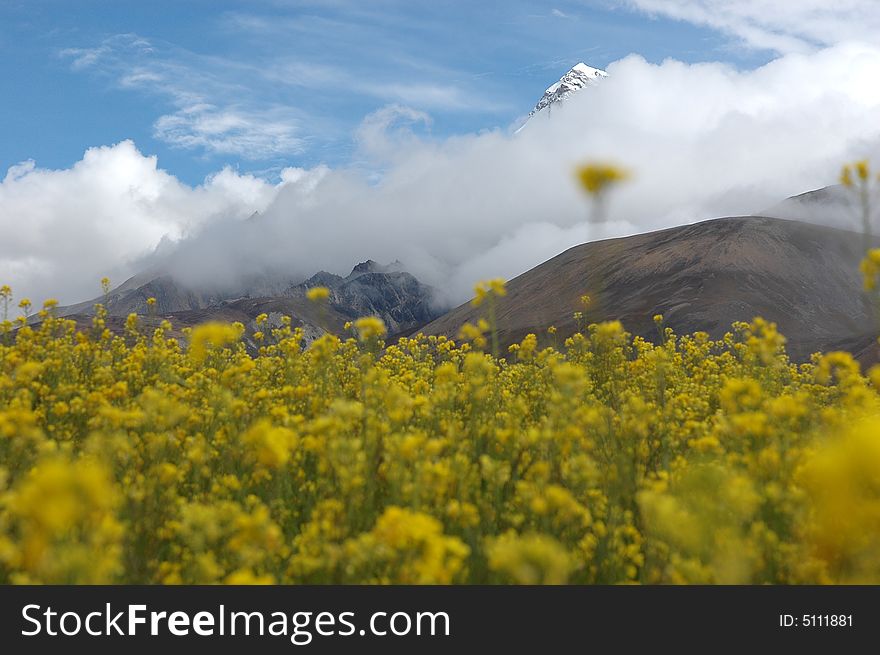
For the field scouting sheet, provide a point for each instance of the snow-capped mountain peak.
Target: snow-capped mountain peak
(589, 70)
(580, 76)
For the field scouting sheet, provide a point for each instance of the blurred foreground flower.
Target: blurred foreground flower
(370, 327)
(488, 291)
(487, 288)
(870, 268)
(62, 517)
(857, 178)
(317, 294)
(862, 170)
(212, 335)
(841, 481)
(529, 559)
(596, 178)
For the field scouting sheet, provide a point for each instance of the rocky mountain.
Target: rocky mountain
(704, 276)
(131, 297)
(371, 289)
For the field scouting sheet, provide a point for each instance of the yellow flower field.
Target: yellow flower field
(136, 458)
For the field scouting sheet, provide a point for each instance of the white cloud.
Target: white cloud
(214, 112)
(131, 45)
(781, 25)
(702, 140)
(65, 229)
(249, 134)
(81, 58)
(431, 96)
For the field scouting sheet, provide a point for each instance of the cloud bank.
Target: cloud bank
(65, 229)
(702, 141)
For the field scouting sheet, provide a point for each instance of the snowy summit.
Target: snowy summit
(580, 76)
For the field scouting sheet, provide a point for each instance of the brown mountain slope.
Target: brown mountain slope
(704, 277)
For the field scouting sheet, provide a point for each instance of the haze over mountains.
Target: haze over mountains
(401, 300)
(704, 276)
(371, 289)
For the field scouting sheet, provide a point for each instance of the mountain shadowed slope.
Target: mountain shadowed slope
(371, 289)
(701, 277)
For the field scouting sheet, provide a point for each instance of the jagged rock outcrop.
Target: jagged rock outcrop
(371, 289)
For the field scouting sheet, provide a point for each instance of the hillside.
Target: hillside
(370, 289)
(700, 277)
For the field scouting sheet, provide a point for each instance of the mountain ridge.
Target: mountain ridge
(701, 277)
(370, 289)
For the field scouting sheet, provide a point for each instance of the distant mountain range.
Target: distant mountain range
(371, 289)
(700, 277)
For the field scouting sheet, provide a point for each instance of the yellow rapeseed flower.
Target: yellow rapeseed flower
(179, 456)
(211, 335)
(529, 559)
(318, 294)
(370, 327)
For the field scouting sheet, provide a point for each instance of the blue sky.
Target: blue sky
(262, 85)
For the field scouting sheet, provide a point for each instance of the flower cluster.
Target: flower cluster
(598, 458)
